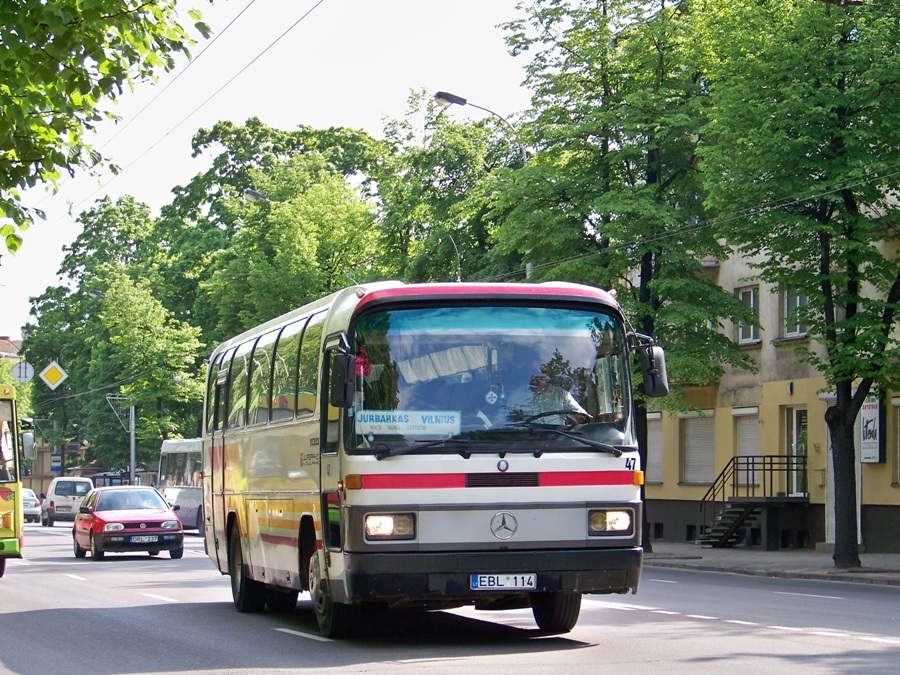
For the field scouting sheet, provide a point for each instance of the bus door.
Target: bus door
(216, 532)
(331, 476)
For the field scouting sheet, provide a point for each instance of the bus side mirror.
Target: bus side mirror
(28, 444)
(343, 376)
(653, 366)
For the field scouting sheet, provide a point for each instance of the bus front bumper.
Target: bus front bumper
(408, 578)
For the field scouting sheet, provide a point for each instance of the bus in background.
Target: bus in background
(12, 521)
(179, 479)
(429, 446)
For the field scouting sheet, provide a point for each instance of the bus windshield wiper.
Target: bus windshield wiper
(383, 450)
(598, 445)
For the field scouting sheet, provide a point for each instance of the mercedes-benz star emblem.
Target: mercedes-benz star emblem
(504, 525)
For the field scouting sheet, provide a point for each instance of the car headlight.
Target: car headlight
(381, 526)
(610, 522)
(113, 527)
(170, 525)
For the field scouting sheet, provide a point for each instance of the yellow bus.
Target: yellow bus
(430, 446)
(12, 522)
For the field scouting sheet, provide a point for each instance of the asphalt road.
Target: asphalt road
(136, 614)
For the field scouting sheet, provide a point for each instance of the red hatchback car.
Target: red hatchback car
(124, 519)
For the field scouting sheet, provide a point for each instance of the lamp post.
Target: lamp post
(445, 99)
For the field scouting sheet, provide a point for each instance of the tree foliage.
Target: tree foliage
(803, 141)
(61, 61)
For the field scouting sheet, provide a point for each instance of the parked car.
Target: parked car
(63, 498)
(31, 506)
(126, 519)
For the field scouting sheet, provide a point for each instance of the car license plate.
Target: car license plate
(61, 508)
(503, 582)
(144, 538)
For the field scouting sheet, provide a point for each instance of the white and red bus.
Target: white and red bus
(431, 446)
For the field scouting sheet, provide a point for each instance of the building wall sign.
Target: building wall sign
(870, 446)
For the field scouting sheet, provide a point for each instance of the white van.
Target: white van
(63, 499)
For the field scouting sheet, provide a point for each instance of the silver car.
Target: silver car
(31, 506)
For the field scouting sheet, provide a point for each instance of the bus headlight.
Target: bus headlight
(381, 526)
(610, 522)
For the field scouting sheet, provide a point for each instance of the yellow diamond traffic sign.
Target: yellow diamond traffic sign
(53, 375)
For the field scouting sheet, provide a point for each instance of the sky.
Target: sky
(320, 63)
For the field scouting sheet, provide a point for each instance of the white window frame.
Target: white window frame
(792, 301)
(748, 334)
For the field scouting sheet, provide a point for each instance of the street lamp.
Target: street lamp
(445, 99)
(254, 195)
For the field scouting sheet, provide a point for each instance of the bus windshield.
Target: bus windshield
(440, 378)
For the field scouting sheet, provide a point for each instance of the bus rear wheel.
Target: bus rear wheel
(248, 594)
(556, 611)
(335, 619)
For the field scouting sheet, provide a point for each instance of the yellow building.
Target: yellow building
(753, 465)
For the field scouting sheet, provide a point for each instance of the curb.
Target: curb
(863, 576)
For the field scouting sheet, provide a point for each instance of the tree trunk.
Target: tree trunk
(640, 430)
(840, 423)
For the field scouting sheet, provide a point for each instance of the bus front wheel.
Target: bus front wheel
(248, 594)
(335, 619)
(556, 611)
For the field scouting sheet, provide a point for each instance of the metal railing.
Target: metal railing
(751, 477)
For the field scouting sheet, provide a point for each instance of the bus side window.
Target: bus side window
(332, 416)
(284, 370)
(211, 381)
(260, 379)
(237, 390)
(309, 365)
(221, 398)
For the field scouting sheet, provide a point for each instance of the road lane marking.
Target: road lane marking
(298, 633)
(810, 595)
(702, 616)
(881, 641)
(76, 577)
(741, 623)
(661, 581)
(789, 628)
(664, 611)
(159, 597)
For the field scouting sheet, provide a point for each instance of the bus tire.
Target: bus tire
(200, 520)
(2, 567)
(248, 595)
(556, 611)
(335, 620)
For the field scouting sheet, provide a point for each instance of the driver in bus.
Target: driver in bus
(540, 397)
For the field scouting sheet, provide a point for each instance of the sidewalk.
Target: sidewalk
(877, 568)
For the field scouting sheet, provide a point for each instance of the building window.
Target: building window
(794, 302)
(698, 455)
(749, 334)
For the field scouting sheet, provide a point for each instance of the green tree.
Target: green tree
(196, 229)
(434, 218)
(612, 195)
(803, 138)
(87, 336)
(313, 236)
(62, 61)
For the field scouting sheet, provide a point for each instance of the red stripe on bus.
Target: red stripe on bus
(568, 478)
(424, 481)
(416, 481)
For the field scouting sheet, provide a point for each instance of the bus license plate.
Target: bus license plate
(144, 538)
(503, 582)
